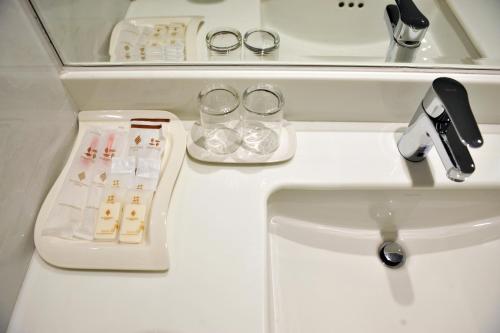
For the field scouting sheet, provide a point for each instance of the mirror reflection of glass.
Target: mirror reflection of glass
(429, 33)
(224, 44)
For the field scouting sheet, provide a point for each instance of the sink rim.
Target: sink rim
(365, 241)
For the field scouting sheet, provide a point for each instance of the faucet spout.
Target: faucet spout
(443, 120)
(407, 27)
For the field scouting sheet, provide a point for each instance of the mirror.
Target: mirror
(420, 33)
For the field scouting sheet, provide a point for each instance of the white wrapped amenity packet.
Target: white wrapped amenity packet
(146, 140)
(113, 144)
(67, 211)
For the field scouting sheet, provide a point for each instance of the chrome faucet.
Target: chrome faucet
(444, 119)
(407, 27)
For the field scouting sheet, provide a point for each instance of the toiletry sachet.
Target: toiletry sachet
(113, 144)
(117, 185)
(70, 202)
(146, 140)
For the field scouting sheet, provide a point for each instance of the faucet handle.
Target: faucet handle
(411, 15)
(452, 107)
(461, 155)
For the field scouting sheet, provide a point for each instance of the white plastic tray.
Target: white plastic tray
(192, 24)
(151, 254)
(286, 150)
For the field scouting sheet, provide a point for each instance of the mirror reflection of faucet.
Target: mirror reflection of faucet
(407, 27)
(443, 119)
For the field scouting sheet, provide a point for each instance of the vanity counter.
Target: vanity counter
(217, 237)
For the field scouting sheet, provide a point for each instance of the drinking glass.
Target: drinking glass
(262, 118)
(220, 119)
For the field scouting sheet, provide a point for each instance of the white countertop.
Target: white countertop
(217, 238)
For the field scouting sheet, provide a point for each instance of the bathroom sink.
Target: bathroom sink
(355, 30)
(325, 274)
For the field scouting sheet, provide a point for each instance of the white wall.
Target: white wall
(346, 95)
(37, 125)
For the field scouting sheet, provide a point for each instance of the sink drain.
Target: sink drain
(392, 254)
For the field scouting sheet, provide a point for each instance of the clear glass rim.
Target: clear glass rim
(222, 31)
(269, 89)
(220, 111)
(260, 50)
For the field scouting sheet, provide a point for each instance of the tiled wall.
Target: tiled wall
(37, 125)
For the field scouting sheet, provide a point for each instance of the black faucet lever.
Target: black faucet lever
(455, 111)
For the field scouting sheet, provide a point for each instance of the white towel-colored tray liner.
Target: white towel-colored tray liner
(192, 24)
(286, 150)
(151, 254)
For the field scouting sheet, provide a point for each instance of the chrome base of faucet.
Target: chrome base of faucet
(399, 53)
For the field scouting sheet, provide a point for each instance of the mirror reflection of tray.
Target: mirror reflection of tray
(155, 39)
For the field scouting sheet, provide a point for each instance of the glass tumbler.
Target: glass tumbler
(262, 118)
(220, 119)
(224, 44)
(261, 44)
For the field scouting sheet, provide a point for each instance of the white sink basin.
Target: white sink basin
(325, 275)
